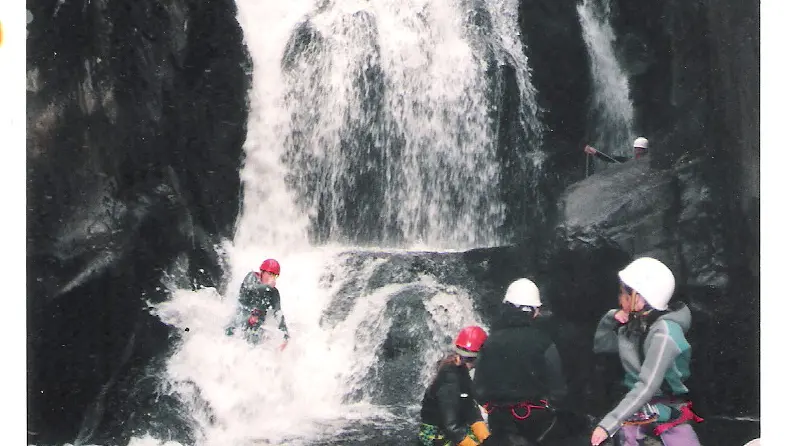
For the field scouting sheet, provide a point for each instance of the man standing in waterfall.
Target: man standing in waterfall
(519, 376)
(260, 304)
(640, 149)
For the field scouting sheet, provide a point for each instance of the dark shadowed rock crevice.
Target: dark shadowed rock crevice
(136, 116)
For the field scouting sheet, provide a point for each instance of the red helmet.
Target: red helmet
(271, 266)
(470, 340)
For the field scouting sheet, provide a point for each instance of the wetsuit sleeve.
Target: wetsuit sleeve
(448, 395)
(611, 159)
(661, 352)
(606, 334)
(557, 384)
(247, 290)
(277, 313)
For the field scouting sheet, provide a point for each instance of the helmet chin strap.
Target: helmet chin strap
(637, 323)
(634, 302)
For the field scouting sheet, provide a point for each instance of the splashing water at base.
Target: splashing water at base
(320, 386)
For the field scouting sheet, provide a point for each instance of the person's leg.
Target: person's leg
(501, 422)
(631, 436)
(681, 435)
(506, 440)
(569, 429)
(505, 430)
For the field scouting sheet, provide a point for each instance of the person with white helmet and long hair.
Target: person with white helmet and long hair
(519, 370)
(649, 334)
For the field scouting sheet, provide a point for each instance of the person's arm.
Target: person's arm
(448, 395)
(247, 292)
(613, 159)
(589, 150)
(278, 314)
(662, 351)
(606, 334)
(557, 384)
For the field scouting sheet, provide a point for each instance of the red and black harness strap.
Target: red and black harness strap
(520, 411)
(683, 406)
(686, 414)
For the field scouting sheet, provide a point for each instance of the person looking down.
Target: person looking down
(449, 414)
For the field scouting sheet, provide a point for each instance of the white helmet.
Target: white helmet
(523, 293)
(641, 142)
(652, 279)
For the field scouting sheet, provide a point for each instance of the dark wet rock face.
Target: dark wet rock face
(666, 214)
(136, 115)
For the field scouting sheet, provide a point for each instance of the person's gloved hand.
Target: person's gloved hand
(468, 441)
(480, 430)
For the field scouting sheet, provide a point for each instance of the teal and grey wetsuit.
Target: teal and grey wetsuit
(661, 373)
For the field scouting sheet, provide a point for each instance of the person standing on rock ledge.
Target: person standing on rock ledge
(450, 415)
(519, 379)
(648, 332)
(260, 303)
(641, 147)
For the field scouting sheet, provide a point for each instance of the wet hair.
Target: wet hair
(449, 358)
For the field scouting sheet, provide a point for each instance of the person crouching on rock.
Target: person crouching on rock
(449, 414)
(648, 332)
(260, 304)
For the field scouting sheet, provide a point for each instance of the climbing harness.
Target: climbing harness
(649, 415)
(520, 411)
(686, 414)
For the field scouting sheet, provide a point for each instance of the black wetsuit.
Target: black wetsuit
(518, 367)
(264, 302)
(449, 403)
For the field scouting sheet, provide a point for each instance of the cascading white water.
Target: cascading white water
(386, 102)
(611, 109)
(401, 85)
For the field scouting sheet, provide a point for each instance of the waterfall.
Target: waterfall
(611, 109)
(371, 124)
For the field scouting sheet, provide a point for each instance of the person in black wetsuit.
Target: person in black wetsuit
(519, 378)
(449, 414)
(260, 304)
